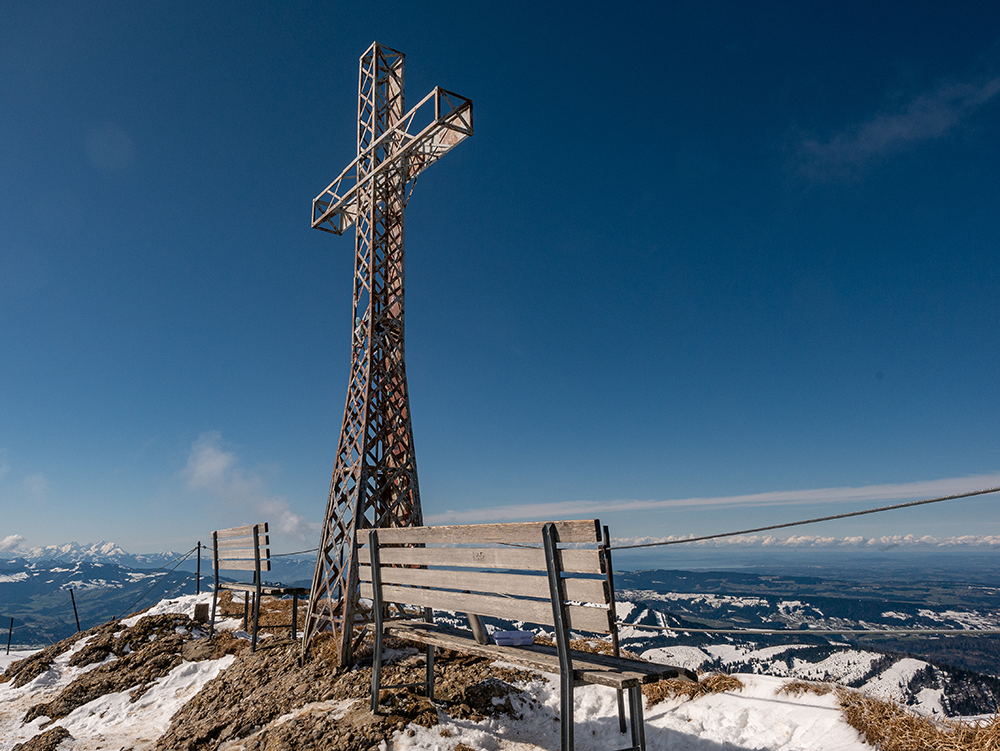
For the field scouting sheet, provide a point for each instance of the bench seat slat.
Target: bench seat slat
(573, 561)
(300, 591)
(238, 586)
(518, 585)
(587, 530)
(528, 611)
(604, 670)
(265, 589)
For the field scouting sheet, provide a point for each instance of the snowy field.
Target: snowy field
(755, 718)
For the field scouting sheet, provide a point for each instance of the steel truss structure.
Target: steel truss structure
(374, 480)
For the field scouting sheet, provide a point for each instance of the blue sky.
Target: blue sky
(702, 267)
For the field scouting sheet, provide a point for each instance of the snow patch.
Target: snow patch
(115, 721)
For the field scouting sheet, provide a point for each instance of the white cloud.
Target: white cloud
(930, 115)
(210, 468)
(887, 492)
(12, 544)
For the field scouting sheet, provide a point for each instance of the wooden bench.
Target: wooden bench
(515, 572)
(247, 549)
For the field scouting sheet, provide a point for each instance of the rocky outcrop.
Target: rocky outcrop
(142, 654)
(24, 671)
(47, 741)
(266, 700)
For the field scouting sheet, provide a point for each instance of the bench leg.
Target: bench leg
(566, 712)
(211, 623)
(621, 710)
(378, 613)
(561, 625)
(635, 710)
(295, 613)
(376, 666)
(430, 672)
(429, 618)
(256, 621)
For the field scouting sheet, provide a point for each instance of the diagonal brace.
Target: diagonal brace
(334, 211)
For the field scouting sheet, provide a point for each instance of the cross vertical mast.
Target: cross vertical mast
(374, 481)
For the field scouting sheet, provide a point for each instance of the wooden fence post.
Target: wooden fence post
(75, 614)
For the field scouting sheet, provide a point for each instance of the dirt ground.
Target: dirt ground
(239, 709)
(319, 705)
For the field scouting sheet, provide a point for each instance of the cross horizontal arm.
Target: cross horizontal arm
(336, 208)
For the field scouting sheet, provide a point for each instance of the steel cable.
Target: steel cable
(818, 631)
(157, 583)
(297, 552)
(893, 507)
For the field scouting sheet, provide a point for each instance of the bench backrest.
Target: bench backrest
(496, 570)
(242, 548)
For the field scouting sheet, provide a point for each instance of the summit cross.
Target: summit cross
(374, 480)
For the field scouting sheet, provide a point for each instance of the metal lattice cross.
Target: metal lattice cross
(374, 480)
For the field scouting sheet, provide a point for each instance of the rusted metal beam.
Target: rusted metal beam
(374, 481)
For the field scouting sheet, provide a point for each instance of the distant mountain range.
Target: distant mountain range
(36, 594)
(295, 570)
(660, 610)
(95, 552)
(107, 582)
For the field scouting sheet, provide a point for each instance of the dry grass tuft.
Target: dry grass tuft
(225, 643)
(707, 684)
(657, 692)
(797, 688)
(890, 727)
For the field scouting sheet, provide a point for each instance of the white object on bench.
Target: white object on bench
(513, 638)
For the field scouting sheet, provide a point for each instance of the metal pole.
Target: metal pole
(77, 615)
(197, 579)
(615, 646)
(10, 633)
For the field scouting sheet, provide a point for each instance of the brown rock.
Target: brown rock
(197, 650)
(47, 741)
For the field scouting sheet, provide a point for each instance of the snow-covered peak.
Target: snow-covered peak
(103, 551)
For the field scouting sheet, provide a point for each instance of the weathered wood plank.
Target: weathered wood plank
(517, 585)
(529, 611)
(586, 530)
(532, 611)
(265, 589)
(572, 561)
(224, 565)
(300, 591)
(242, 541)
(238, 586)
(241, 531)
(238, 553)
(587, 668)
